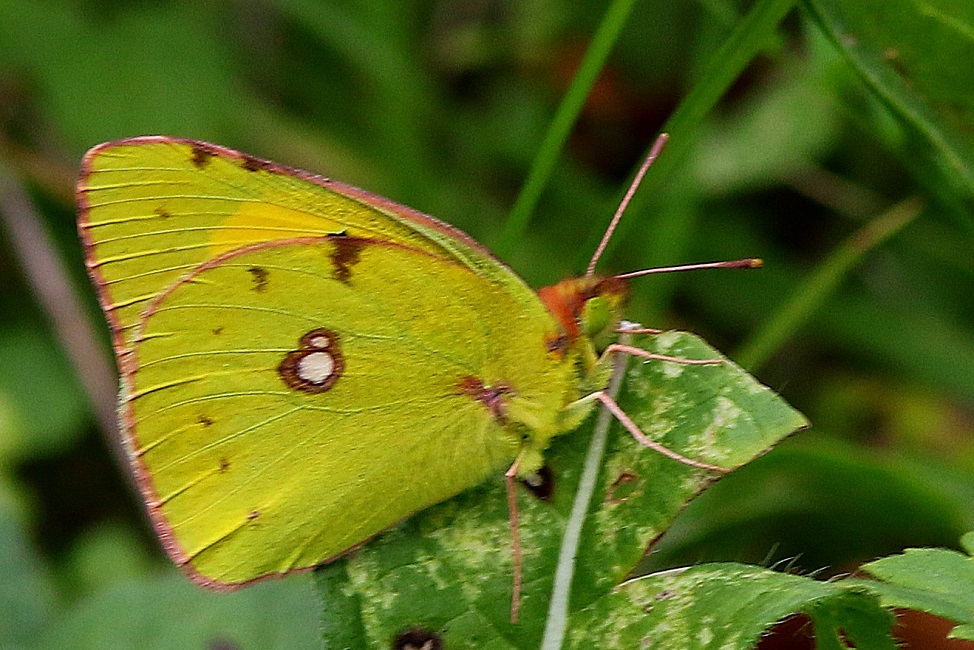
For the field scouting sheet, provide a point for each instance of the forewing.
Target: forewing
(247, 472)
(154, 208)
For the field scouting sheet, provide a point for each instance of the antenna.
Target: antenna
(654, 152)
(650, 158)
(748, 263)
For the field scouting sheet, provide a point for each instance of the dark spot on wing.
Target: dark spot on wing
(201, 156)
(251, 164)
(316, 364)
(224, 465)
(344, 256)
(556, 344)
(260, 276)
(492, 397)
(205, 420)
(217, 331)
(162, 213)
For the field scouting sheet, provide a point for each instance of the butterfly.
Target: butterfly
(305, 364)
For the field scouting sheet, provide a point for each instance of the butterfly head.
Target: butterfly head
(589, 306)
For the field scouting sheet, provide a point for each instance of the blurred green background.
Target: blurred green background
(842, 155)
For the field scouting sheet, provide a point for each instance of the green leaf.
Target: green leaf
(933, 580)
(907, 52)
(719, 414)
(851, 617)
(449, 569)
(721, 606)
(104, 555)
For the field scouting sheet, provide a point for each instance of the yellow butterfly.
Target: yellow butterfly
(305, 364)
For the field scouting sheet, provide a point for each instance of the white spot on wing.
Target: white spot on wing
(316, 367)
(319, 341)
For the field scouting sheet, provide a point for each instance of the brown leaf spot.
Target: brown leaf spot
(622, 488)
(418, 638)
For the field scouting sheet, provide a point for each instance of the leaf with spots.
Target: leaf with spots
(727, 606)
(449, 568)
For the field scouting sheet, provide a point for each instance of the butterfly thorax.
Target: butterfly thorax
(587, 311)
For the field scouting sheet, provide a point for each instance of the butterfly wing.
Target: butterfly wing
(288, 400)
(154, 208)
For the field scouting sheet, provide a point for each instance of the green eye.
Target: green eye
(597, 316)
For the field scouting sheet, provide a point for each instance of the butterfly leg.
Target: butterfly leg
(616, 410)
(639, 352)
(510, 482)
